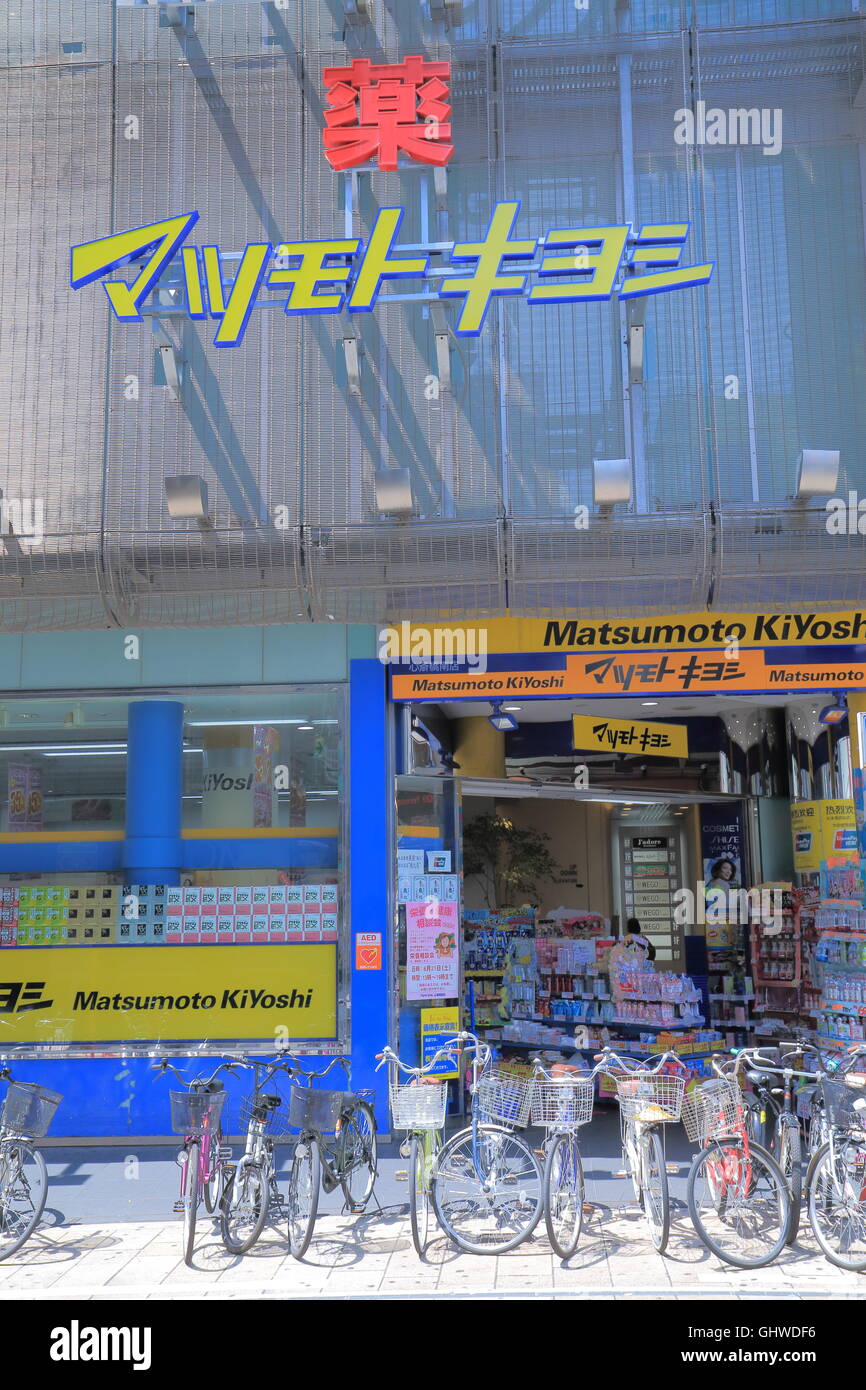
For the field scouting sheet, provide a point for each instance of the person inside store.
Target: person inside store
(636, 938)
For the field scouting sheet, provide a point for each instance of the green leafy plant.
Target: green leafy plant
(506, 859)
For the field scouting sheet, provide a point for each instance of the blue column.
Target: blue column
(154, 788)
(370, 869)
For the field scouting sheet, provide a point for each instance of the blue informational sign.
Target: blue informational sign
(437, 1026)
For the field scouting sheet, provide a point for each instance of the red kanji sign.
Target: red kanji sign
(381, 109)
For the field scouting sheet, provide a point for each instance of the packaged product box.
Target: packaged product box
(207, 923)
(243, 925)
(277, 931)
(329, 894)
(225, 896)
(88, 934)
(329, 926)
(8, 896)
(71, 934)
(312, 926)
(36, 936)
(260, 926)
(158, 892)
(277, 895)
(139, 931)
(8, 937)
(294, 926)
(312, 893)
(173, 895)
(190, 928)
(173, 927)
(294, 894)
(124, 932)
(156, 933)
(54, 935)
(209, 896)
(158, 913)
(260, 895)
(191, 896)
(226, 928)
(244, 897)
(104, 933)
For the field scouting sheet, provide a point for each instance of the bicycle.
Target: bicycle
(777, 1101)
(351, 1162)
(251, 1188)
(737, 1194)
(836, 1177)
(27, 1114)
(648, 1099)
(486, 1186)
(562, 1101)
(418, 1107)
(195, 1114)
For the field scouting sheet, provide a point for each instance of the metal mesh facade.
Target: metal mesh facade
(113, 117)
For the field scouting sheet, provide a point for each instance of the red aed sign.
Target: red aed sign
(368, 950)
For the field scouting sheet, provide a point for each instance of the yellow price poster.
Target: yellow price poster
(594, 733)
(167, 993)
(437, 1026)
(807, 836)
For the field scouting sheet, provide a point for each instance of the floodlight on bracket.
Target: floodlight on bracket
(181, 17)
(817, 473)
(440, 187)
(611, 482)
(442, 344)
(186, 497)
(448, 12)
(393, 487)
(357, 11)
(172, 369)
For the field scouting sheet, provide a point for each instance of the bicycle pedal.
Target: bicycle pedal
(224, 1153)
(179, 1207)
(401, 1175)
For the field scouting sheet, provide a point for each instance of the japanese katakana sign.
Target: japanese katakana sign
(573, 265)
(630, 736)
(378, 111)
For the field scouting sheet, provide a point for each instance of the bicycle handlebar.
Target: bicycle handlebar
(164, 1065)
(628, 1064)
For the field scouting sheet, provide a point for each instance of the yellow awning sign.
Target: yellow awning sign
(593, 733)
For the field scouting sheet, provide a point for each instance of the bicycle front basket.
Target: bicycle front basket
(274, 1120)
(713, 1110)
(28, 1109)
(194, 1112)
(651, 1098)
(501, 1098)
(565, 1100)
(845, 1104)
(419, 1105)
(314, 1109)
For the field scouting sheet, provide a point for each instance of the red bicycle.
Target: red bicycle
(738, 1197)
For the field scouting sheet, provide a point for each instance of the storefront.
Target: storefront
(567, 778)
(183, 863)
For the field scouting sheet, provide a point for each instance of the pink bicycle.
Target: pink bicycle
(196, 1114)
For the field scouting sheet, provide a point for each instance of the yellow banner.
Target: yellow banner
(839, 831)
(453, 640)
(437, 1027)
(163, 993)
(593, 734)
(806, 835)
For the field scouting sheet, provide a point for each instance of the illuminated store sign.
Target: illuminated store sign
(574, 265)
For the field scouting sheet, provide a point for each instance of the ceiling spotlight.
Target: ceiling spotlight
(512, 709)
(418, 733)
(835, 713)
(611, 481)
(646, 703)
(306, 729)
(505, 723)
(817, 473)
(394, 492)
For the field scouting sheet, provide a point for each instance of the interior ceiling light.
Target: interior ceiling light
(835, 713)
(505, 723)
(239, 723)
(306, 729)
(512, 709)
(418, 733)
(646, 703)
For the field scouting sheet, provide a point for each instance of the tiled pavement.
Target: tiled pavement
(373, 1256)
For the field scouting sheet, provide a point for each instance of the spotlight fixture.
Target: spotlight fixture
(646, 703)
(306, 729)
(394, 492)
(186, 497)
(505, 723)
(611, 481)
(817, 473)
(835, 713)
(418, 734)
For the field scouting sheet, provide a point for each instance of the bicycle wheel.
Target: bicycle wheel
(23, 1190)
(422, 1156)
(654, 1183)
(488, 1192)
(244, 1209)
(215, 1181)
(836, 1202)
(357, 1155)
(740, 1207)
(789, 1155)
(304, 1183)
(190, 1198)
(563, 1195)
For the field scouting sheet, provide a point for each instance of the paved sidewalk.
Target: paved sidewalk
(373, 1256)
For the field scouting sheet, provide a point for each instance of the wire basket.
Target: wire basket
(274, 1121)
(193, 1112)
(712, 1110)
(652, 1098)
(565, 1101)
(845, 1104)
(501, 1098)
(313, 1109)
(419, 1105)
(28, 1110)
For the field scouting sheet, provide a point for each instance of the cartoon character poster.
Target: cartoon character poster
(432, 959)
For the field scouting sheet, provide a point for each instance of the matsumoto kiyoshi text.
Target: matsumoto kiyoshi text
(230, 999)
